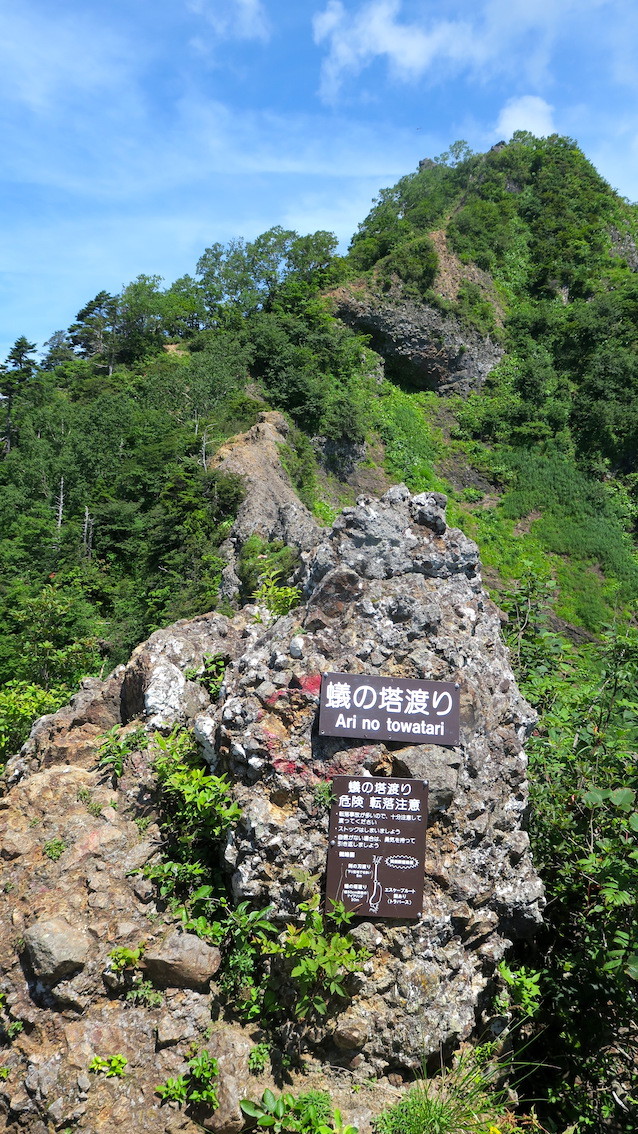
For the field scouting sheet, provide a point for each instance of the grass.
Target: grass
(461, 1100)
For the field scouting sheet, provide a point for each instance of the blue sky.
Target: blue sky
(136, 133)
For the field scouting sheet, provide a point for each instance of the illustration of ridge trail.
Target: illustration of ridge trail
(377, 888)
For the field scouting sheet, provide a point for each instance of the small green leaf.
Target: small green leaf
(269, 1100)
(623, 798)
(594, 797)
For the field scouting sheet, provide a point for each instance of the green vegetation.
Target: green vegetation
(258, 1058)
(112, 521)
(115, 747)
(54, 849)
(21, 702)
(310, 1113)
(275, 598)
(197, 1086)
(121, 958)
(112, 1066)
(462, 1100)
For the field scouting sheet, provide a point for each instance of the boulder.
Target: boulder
(56, 949)
(182, 960)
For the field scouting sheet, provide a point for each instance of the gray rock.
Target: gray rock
(182, 960)
(389, 590)
(56, 949)
(420, 343)
(230, 1047)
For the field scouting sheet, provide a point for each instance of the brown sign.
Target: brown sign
(389, 708)
(376, 850)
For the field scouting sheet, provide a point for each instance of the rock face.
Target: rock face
(389, 590)
(182, 961)
(271, 507)
(420, 344)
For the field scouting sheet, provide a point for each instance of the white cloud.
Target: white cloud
(375, 30)
(495, 37)
(233, 19)
(529, 112)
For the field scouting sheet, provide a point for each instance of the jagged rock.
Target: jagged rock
(182, 961)
(231, 1048)
(271, 507)
(389, 590)
(419, 343)
(55, 948)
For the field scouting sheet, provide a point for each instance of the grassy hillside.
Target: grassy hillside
(111, 521)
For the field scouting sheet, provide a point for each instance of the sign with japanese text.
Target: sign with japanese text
(389, 708)
(376, 845)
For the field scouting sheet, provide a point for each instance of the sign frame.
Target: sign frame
(397, 709)
(376, 845)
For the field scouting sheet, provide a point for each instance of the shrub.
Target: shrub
(21, 703)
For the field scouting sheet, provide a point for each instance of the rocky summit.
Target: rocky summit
(389, 590)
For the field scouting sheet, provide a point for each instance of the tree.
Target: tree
(17, 370)
(140, 319)
(248, 276)
(95, 331)
(59, 349)
(184, 308)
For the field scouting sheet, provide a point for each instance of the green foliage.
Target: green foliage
(415, 262)
(195, 806)
(410, 445)
(257, 556)
(310, 1113)
(142, 992)
(175, 1089)
(210, 674)
(258, 1058)
(116, 746)
(54, 848)
(121, 958)
(322, 794)
(277, 599)
(584, 833)
(318, 962)
(112, 1066)
(246, 937)
(461, 1100)
(197, 1086)
(21, 703)
(522, 989)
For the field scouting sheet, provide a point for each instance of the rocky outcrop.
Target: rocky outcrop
(389, 590)
(271, 507)
(419, 344)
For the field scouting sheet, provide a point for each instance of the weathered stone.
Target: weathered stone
(351, 1033)
(420, 343)
(390, 590)
(271, 507)
(182, 960)
(15, 843)
(56, 949)
(231, 1048)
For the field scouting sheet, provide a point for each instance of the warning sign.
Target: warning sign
(376, 851)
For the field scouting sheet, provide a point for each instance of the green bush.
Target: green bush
(21, 703)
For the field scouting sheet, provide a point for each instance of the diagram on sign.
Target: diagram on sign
(377, 845)
(377, 888)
